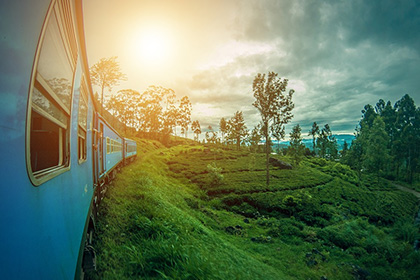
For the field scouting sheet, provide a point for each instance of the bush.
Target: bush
(215, 175)
(406, 231)
(287, 228)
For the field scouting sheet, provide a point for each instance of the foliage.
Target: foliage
(184, 119)
(106, 73)
(123, 105)
(274, 106)
(296, 148)
(196, 129)
(314, 132)
(326, 143)
(211, 135)
(387, 140)
(223, 126)
(236, 128)
(255, 138)
(163, 219)
(215, 174)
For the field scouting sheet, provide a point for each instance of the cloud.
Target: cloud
(337, 55)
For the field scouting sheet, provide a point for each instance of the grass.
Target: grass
(171, 216)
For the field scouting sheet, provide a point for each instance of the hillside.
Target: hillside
(204, 212)
(308, 142)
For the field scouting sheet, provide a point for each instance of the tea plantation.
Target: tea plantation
(204, 212)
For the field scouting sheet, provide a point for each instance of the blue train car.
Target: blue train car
(111, 154)
(130, 150)
(46, 135)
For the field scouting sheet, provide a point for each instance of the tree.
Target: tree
(368, 116)
(278, 132)
(406, 144)
(223, 128)
(326, 143)
(376, 152)
(237, 129)
(185, 114)
(156, 112)
(387, 140)
(296, 147)
(196, 129)
(211, 135)
(345, 149)
(170, 111)
(314, 132)
(355, 154)
(123, 105)
(106, 74)
(255, 137)
(274, 105)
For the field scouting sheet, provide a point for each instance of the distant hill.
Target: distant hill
(341, 138)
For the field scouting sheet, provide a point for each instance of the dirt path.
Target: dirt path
(416, 193)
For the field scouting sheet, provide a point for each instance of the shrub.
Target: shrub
(406, 231)
(215, 174)
(287, 228)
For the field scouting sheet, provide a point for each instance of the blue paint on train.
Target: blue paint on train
(50, 173)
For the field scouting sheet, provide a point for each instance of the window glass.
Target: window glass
(108, 146)
(51, 96)
(54, 65)
(81, 144)
(43, 103)
(82, 119)
(83, 113)
(45, 143)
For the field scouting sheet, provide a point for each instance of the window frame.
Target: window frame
(62, 13)
(108, 145)
(82, 131)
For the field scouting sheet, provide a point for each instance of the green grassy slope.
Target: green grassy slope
(196, 212)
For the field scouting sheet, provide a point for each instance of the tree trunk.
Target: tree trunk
(267, 156)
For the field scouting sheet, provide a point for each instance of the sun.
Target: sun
(152, 46)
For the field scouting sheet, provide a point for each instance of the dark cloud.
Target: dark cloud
(347, 53)
(338, 55)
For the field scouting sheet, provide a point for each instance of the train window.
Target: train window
(51, 97)
(117, 146)
(82, 119)
(108, 145)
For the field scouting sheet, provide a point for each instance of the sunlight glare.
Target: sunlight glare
(152, 46)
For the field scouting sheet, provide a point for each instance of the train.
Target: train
(58, 153)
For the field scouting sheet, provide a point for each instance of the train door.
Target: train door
(95, 151)
(101, 149)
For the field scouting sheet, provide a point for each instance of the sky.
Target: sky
(337, 55)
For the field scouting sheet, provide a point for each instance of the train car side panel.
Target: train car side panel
(44, 201)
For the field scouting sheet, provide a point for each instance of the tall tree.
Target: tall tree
(274, 105)
(376, 151)
(123, 105)
(296, 147)
(237, 128)
(196, 129)
(106, 74)
(406, 134)
(314, 132)
(223, 128)
(211, 135)
(185, 108)
(170, 110)
(326, 143)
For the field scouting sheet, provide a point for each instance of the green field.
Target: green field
(204, 212)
